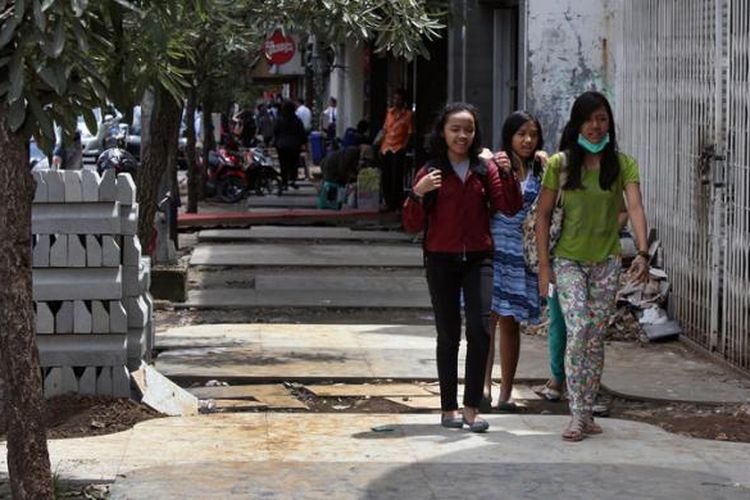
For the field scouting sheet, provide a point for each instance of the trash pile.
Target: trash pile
(646, 303)
(641, 313)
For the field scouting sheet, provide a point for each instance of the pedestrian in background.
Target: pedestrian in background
(515, 288)
(266, 124)
(449, 201)
(396, 132)
(305, 115)
(328, 120)
(289, 137)
(68, 156)
(585, 265)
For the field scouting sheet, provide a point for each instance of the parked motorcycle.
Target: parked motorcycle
(118, 159)
(232, 174)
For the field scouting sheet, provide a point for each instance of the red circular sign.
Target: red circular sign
(279, 49)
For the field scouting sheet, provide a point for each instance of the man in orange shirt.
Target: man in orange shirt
(397, 130)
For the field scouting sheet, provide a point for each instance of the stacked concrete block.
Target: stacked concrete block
(94, 314)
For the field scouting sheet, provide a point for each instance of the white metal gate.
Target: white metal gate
(683, 111)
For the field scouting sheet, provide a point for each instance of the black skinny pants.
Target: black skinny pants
(288, 163)
(446, 277)
(393, 179)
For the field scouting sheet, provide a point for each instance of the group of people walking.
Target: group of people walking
(480, 210)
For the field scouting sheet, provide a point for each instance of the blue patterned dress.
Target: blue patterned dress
(515, 289)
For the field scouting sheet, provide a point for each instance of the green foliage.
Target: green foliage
(396, 26)
(49, 54)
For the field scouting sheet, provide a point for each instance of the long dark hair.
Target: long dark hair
(438, 148)
(511, 125)
(286, 112)
(583, 107)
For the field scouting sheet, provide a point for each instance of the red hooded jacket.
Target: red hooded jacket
(457, 215)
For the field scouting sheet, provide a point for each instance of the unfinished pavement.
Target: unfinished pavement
(280, 455)
(277, 455)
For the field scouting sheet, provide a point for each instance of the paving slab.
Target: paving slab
(314, 352)
(671, 371)
(239, 391)
(310, 279)
(307, 352)
(300, 233)
(268, 254)
(236, 298)
(280, 455)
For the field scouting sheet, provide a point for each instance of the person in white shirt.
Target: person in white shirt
(329, 118)
(304, 114)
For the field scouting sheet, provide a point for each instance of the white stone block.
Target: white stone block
(108, 186)
(137, 346)
(129, 219)
(45, 320)
(162, 394)
(76, 218)
(53, 383)
(73, 188)
(99, 317)
(82, 350)
(41, 250)
(58, 255)
(40, 194)
(120, 382)
(76, 251)
(111, 255)
(82, 321)
(64, 318)
(55, 186)
(131, 252)
(90, 181)
(93, 251)
(137, 312)
(87, 382)
(104, 381)
(135, 279)
(59, 381)
(88, 283)
(118, 318)
(125, 189)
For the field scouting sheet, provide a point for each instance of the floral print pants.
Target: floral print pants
(587, 298)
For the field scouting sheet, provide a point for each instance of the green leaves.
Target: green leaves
(16, 114)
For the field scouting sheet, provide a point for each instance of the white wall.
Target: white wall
(347, 85)
(569, 45)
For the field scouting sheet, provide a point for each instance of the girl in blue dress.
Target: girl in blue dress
(515, 294)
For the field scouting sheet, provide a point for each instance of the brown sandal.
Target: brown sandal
(575, 431)
(591, 427)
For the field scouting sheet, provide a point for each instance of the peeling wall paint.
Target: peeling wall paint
(569, 47)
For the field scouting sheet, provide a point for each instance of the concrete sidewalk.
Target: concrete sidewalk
(277, 455)
(407, 352)
(332, 234)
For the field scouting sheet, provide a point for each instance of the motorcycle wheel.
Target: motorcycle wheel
(231, 190)
(268, 183)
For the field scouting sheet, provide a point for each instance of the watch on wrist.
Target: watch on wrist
(414, 196)
(644, 254)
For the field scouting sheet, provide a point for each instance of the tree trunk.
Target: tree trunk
(28, 458)
(160, 145)
(209, 144)
(193, 174)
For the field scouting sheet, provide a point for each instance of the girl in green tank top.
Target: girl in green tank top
(585, 264)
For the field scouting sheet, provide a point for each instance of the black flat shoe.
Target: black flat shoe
(478, 425)
(456, 422)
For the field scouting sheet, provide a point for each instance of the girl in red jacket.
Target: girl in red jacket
(451, 200)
